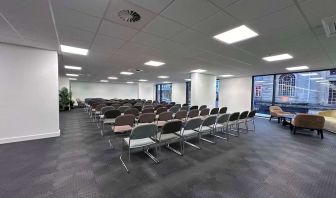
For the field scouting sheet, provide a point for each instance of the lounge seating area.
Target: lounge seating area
(330, 120)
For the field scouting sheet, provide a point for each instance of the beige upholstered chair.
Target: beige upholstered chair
(330, 120)
(306, 121)
(276, 112)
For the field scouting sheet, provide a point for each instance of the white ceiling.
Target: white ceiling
(177, 32)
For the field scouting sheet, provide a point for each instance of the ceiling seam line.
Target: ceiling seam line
(13, 28)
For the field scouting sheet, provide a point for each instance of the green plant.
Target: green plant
(65, 99)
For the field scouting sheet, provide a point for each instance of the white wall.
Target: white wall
(146, 91)
(179, 93)
(63, 82)
(203, 89)
(29, 88)
(235, 93)
(84, 90)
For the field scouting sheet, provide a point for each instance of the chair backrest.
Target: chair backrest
(138, 107)
(161, 109)
(234, 116)
(184, 108)
(132, 111)
(202, 107)
(146, 118)
(223, 118)
(99, 107)
(193, 123)
(174, 109)
(194, 107)
(211, 120)
(165, 116)
(185, 105)
(172, 127)
(138, 104)
(122, 109)
(181, 114)
(127, 104)
(252, 114)
(177, 105)
(275, 109)
(309, 121)
(214, 111)
(148, 110)
(106, 108)
(243, 115)
(125, 120)
(148, 107)
(223, 110)
(193, 113)
(112, 114)
(205, 112)
(144, 131)
(115, 105)
(158, 106)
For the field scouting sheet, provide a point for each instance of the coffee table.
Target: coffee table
(287, 119)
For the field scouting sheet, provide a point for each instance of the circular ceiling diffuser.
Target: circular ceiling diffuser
(129, 16)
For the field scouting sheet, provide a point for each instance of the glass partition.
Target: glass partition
(164, 92)
(263, 93)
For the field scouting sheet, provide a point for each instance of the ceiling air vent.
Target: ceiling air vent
(129, 16)
(329, 25)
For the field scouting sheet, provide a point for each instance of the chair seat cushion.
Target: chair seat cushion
(139, 142)
(101, 116)
(109, 120)
(187, 132)
(168, 136)
(161, 123)
(207, 128)
(220, 125)
(121, 129)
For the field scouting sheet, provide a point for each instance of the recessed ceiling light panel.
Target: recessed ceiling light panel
(226, 75)
(143, 80)
(72, 78)
(104, 81)
(163, 77)
(72, 75)
(74, 50)
(72, 67)
(198, 71)
(154, 63)
(187, 79)
(112, 78)
(309, 74)
(297, 68)
(278, 57)
(236, 34)
(126, 73)
(129, 82)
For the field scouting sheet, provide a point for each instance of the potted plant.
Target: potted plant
(65, 99)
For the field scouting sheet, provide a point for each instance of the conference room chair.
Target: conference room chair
(168, 135)
(189, 131)
(138, 107)
(97, 111)
(214, 111)
(148, 107)
(156, 107)
(178, 105)
(138, 104)
(250, 119)
(116, 105)
(184, 108)
(109, 118)
(232, 125)
(160, 110)
(146, 118)
(204, 113)
(141, 139)
(193, 107)
(222, 125)
(122, 125)
(242, 121)
(128, 104)
(207, 128)
(101, 116)
(193, 113)
(174, 109)
(181, 115)
(132, 111)
(202, 107)
(122, 109)
(223, 110)
(163, 118)
(185, 105)
(148, 110)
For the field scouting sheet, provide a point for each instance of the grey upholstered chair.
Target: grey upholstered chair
(141, 137)
(191, 130)
(168, 135)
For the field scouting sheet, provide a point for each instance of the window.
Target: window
(217, 92)
(164, 92)
(188, 92)
(299, 92)
(332, 92)
(287, 85)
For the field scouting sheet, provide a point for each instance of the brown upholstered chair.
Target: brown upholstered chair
(306, 121)
(277, 112)
(164, 117)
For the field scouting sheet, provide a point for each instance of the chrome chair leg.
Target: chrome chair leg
(174, 150)
(151, 156)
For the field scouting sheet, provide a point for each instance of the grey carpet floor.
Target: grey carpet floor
(269, 163)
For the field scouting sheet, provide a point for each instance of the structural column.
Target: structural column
(203, 89)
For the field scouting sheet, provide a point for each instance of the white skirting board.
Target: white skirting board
(30, 137)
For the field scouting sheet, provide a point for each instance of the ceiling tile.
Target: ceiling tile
(148, 40)
(106, 44)
(118, 5)
(94, 8)
(248, 10)
(223, 3)
(153, 5)
(163, 27)
(216, 24)
(317, 10)
(115, 30)
(70, 33)
(68, 17)
(189, 12)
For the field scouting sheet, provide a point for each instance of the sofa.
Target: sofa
(330, 120)
(307, 121)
